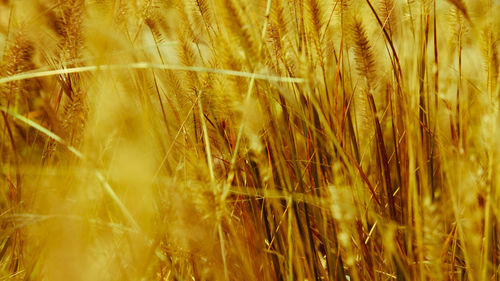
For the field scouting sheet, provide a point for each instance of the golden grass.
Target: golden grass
(249, 140)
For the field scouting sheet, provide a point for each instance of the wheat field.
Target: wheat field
(249, 140)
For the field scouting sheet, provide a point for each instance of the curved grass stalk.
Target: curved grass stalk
(147, 65)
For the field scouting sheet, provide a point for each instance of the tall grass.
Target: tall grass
(249, 140)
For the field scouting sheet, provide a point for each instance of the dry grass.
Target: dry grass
(249, 140)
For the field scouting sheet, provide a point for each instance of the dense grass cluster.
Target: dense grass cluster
(249, 140)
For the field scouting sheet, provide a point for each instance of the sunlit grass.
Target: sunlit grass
(249, 140)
